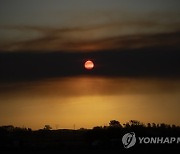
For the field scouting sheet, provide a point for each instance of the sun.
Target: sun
(89, 65)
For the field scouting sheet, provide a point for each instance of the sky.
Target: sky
(135, 47)
(89, 101)
(87, 25)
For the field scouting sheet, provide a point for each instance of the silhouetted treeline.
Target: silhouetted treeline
(106, 138)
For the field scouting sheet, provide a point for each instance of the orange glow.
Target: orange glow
(89, 65)
(88, 101)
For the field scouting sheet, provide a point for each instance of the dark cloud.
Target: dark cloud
(118, 35)
(142, 62)
(136, 54)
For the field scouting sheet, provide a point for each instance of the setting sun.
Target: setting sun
(89, 65)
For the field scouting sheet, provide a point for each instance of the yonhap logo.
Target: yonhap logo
(129, 140)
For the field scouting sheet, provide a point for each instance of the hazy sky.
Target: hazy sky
(89, 101)
(140, 81)
(86, 25)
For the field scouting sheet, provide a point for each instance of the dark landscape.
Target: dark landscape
(99, 139)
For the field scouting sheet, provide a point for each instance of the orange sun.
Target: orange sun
(89, 65)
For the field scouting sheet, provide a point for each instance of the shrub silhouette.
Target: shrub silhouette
(47, 127)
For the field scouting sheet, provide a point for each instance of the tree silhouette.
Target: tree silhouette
(47, 127)
(114, 123)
